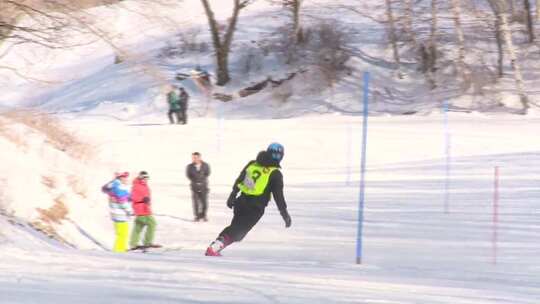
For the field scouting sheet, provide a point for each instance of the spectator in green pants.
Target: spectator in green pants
(142, 201)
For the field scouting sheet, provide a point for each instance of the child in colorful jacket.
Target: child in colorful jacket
(141, 199)
(120, 208)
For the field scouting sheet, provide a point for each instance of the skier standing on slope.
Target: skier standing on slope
(141, 199)
(256, 182)
(120, 208)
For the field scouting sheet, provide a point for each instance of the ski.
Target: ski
(143, 249)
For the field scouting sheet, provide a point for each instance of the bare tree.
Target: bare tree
(428, 51)
(295, 6)
(500, 9)
(529, 21)
(392, 34)
(52, 21)
(537, 9)
(512, 6)
(432, 47)
(408, 16)
(456, 10)
(45, 30)
(222, 43)
(500, 48)
(8, 18)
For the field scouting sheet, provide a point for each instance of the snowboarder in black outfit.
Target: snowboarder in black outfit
(258, 180)
(198, 172)
(183, 100)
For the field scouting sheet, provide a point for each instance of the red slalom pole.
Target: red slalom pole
(494, 237)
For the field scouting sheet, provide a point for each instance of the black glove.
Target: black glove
(146, 200)
(231, 200)
(106, 189)
(286, 217)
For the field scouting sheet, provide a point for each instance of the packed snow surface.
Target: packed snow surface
(414, 252)
(416, 248)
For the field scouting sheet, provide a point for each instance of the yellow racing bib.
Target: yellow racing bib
(256, 180)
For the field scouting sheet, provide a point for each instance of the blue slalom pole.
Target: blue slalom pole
(448, 156)
(363, 171)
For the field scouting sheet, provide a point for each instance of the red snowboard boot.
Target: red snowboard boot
(215, 248)
(210, 252)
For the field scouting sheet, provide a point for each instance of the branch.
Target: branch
(232, 24)
(213, 24)
(368, 14)
(30, 10)
(244, 3)
(44, 30)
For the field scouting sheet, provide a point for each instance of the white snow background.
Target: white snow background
(414, 252)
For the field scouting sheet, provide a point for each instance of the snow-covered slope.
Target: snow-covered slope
(114, 118)
(413, 251)
(50, 178)
(83, 79)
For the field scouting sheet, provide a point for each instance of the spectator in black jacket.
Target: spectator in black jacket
(258, 180)
(184, 101)
(197, 172)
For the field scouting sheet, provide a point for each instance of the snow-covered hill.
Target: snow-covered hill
(50, 179)
(83, 79)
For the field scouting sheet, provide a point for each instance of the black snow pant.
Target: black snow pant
(245, 217)
(184, 115)
(200, 203)
(177, 113)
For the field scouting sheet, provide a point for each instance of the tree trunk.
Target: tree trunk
(222, 60)
(528, 14)
(513, 7)
(392, 35)
(432, 47)
(409, 21)
(456, 9)
(518, 77)
(231, 28)
(537, 9)
(500, 9)
(298, 32)
(222, 46)
(434, 27)
(222, 72)
(500, 48)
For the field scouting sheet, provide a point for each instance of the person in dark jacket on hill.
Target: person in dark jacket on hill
(258, 180)
(183, 100)
(175, 108)
(197, 172)
(142, 206)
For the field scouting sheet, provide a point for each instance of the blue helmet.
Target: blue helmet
(276, 150)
